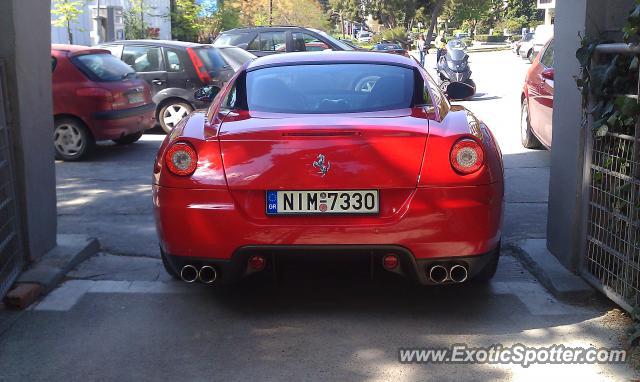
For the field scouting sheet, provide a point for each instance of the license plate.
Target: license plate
(322, 202)
(135, 97)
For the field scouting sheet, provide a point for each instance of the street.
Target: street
(119, 316)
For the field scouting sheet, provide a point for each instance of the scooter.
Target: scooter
(455, 73)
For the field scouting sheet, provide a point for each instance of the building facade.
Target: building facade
(103, 20)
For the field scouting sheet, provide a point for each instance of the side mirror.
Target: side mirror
(206, 94)
(547, 74)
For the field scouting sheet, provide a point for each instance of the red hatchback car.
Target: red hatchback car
(95, 97)
(345, 153)
(537, 101)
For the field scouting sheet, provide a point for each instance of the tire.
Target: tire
(172, 112)
(490, 269)
(72, 140)
(527, 138)
(129, 139)
(167, 267)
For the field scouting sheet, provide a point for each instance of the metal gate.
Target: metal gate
(611, 249)
(11, 256)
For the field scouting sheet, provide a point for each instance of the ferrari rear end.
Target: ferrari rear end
(337, 154)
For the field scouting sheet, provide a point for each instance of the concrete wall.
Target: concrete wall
(25, 48)
(564, 219)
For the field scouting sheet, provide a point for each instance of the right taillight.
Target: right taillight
(466, 156)
(201, 70)
(181, 159)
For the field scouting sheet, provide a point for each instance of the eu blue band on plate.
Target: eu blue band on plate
(272, 202)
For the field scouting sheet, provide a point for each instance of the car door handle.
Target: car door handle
(157, 82)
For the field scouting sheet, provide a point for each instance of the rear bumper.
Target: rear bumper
(114, 124)
(437, 223)
(236, 268)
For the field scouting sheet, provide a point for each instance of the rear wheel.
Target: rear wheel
(527, 138)
(490, 269)
(71, 139)
(172, 113)
(129, 139)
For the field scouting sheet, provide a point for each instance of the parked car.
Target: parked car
(461, 35)
(288, 132)
(364, 36)
(529, 49)
(537, 101)
(96, 97)
(263, 41)
(515, 46)
(390, 47)
(175, 70)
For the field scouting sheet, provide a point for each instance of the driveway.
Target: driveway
(118, 316)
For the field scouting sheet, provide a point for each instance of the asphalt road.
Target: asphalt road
(119, 317)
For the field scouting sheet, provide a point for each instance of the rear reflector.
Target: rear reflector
(257, 263)
(201, 69)
(181, 159)
(467, 156)
(390, 262)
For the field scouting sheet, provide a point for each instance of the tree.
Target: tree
(67, 12)
(345, 10)
(521, 14)
(469, 11)
(436, 9)
(393, 13)
(186, 20)
(135, 25)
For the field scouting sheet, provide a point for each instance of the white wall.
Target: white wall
(158, 17)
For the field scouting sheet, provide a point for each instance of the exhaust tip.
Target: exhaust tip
(458, 273)
(189, 273)
(207, 274)
(438, 274)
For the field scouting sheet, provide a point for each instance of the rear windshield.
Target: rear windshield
(236, 57)
(103, 67)
(329, 88)
(211, 58)
(226, 39)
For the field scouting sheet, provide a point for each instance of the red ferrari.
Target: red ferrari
(343, 153)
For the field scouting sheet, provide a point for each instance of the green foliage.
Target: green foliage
(398, 34)
(135, 20)
(67, 13)
(490, 38)
(521, 14)
(468, 12)
(393, 13)
(606, 85)
(186, 22)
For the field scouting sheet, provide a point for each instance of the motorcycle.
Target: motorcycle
(455, 73)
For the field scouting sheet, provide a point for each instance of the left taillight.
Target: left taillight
(181, 159)
(467, 156)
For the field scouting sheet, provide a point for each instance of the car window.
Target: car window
(272, 42)
(330, 88)
(211, 58)
(236, 57)
(54, 62)
(102, 67)
(303, 42)
(116, 50)
(143, 58)
(547, 57)
(229, 39)
(229, 101)
(173, 61)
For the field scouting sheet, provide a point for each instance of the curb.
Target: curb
(55, 264)
(558, 280)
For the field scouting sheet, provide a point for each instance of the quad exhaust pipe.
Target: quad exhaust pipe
(439, 274)
(206, 274)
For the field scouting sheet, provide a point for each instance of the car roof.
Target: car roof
(156, 42)
(331, 57)
(76, 48)
(258, 28)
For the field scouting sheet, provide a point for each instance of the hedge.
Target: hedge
(490, 38)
